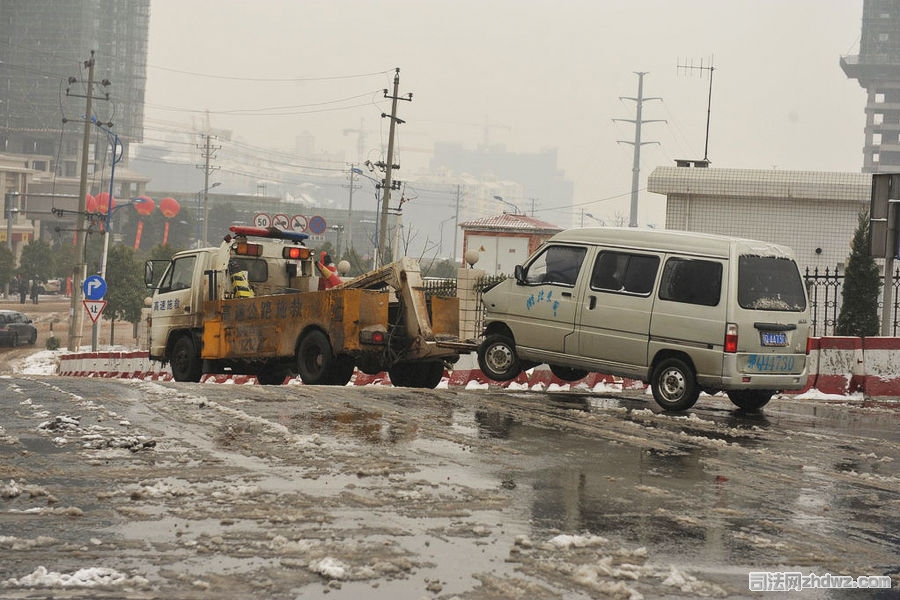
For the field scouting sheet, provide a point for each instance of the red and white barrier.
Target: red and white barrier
(881, 361)
(836, 365)
(839, 365)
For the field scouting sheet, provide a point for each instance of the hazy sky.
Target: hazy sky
(542, 74)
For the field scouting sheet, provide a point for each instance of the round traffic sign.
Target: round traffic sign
(262, 220)
(94, 287)
(299, 223)
(317, 225)
(281, 221)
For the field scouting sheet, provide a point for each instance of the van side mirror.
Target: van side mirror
(519, 273)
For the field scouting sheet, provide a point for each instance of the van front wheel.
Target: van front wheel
(497, 358)
(750, 399)
(674, 385)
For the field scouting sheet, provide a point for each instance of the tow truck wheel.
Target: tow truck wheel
(568, 373)
(428, 375)
(417, 375)
(341, 370)
(273, 374)
(497, 358)
(185, 360)
(750, 399)
(314, 358)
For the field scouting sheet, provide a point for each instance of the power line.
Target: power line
(271, 79)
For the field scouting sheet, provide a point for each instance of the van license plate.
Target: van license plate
(774, 339)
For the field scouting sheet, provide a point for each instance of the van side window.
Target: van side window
(622, 272)
(691, 281)
(557, 264)
(179, 276)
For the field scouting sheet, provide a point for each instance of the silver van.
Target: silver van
(684, 312)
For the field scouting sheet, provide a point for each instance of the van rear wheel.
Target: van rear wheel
(674, 385)
(497, 358)
(750, 399)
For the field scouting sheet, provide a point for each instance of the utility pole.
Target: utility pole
(637, 143)
(76, 311)
(207, 152)
(388, 182)
(349, 244)
(456, 223)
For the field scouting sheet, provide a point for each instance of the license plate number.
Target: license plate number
(770, 363)
(774, 339)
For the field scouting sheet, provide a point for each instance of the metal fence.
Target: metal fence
(826, 293)
(447, 288)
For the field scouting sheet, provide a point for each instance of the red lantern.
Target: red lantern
(143, 208)
(105, 204)
(169, 207)
(90, 203)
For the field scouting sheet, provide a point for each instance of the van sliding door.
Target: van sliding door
(615, 313)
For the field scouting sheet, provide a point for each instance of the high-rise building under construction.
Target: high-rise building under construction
(44, 45)
(877, 69)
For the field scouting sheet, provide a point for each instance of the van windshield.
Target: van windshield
(770, 283)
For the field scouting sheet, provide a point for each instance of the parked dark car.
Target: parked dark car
(16, 328)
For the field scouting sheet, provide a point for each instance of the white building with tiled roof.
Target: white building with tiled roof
(505, 240)
(813, 212)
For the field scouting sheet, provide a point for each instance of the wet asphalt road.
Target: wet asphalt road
(166, 490)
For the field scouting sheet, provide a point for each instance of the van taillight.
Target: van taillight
(731, 337)
(809, 343)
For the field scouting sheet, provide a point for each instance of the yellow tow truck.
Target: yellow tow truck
(205, 320)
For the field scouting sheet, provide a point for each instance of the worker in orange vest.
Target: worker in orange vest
(329, 277)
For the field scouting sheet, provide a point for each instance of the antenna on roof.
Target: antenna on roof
(701, 68)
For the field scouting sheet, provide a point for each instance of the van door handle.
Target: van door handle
(593, 303)
(566, 294)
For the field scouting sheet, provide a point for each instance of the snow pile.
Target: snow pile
(564, 541)
(89, 577)
(330, 568)
(691, 585)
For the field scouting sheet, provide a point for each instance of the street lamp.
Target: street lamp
(110, 209)
(339, 229)
(584, 214)
(12, 209)
(201, 228)
(441, 244)
(515, 208)
(205, 193)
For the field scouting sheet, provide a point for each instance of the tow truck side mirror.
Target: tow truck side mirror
(153, 273)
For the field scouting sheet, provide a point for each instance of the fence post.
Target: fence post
(468, 301)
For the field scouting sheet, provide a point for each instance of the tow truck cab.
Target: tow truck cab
(277, 263)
